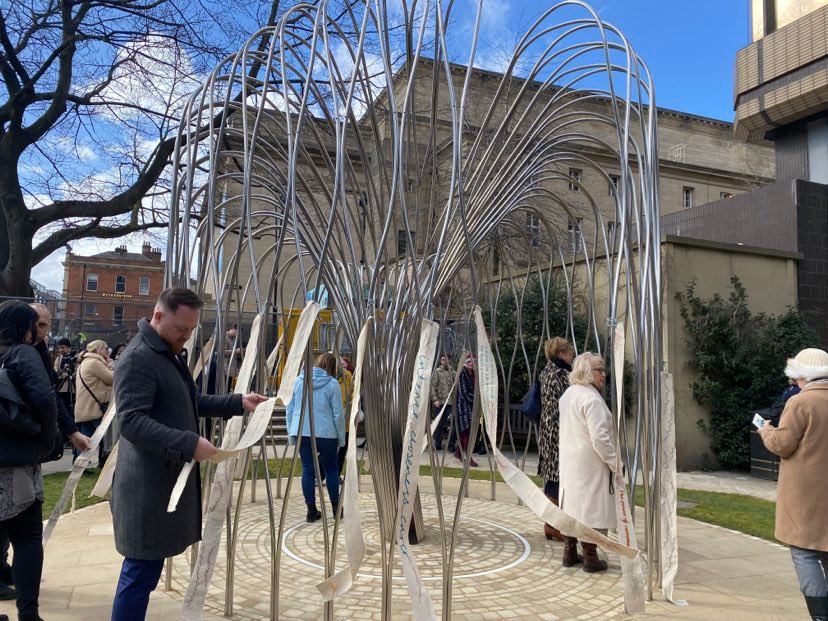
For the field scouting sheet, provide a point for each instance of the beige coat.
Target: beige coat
(801, 440)
(98, 376)
(587, 457)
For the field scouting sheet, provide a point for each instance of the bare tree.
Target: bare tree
(93, 94)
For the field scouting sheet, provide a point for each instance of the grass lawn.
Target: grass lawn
(746, 514)
(53, 485)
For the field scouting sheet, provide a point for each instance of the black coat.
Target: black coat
(158, 410)
(65, 420)
(32, 381)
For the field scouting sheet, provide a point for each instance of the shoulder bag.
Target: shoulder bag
(104, 405)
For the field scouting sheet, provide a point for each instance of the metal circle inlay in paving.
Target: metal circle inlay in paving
(503, 564)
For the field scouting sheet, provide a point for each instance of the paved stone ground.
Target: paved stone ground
(505, 569)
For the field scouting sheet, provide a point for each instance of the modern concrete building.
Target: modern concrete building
(781, 96)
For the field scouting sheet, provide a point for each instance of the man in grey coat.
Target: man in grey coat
(158, 409)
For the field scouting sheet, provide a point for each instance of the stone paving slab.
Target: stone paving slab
(723, 574)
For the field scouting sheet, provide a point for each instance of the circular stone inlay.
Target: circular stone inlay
(429, 557)
(502, 564)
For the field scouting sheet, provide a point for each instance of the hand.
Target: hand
(251, 400)
(204, 450)
(80, 441)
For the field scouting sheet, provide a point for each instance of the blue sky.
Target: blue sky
(690, 48)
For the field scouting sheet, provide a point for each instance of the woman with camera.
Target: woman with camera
(93, 383)
(28, 435)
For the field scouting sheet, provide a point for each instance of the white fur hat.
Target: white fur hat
(809, 364)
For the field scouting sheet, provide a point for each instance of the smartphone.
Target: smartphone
(758, 421)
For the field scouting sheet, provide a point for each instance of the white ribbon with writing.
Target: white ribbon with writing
(632, 570)
(419, 403)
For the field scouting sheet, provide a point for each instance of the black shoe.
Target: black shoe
(481, 451)
(7, 593)
(6, 574)
(438, 446)
(313, 514)
(817, 607)
(4, 617)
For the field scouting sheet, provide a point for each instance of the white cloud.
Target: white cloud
(156, 75)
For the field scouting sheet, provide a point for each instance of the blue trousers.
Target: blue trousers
(138, 579)
(812, 571)
(327, 450)
(87, 428)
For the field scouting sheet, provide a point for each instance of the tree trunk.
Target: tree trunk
(15, 233)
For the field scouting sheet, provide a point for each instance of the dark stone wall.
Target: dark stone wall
(789, 215)
(812, 270)
(791, 145)
(764, 217)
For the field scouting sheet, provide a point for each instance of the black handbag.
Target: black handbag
(104, 405)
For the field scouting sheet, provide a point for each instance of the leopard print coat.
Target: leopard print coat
(554, 381)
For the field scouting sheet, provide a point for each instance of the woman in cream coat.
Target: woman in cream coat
(93, 385)
(587, 457)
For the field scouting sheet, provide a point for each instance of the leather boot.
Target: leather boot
(817, 607)
(313, 513)
(592, 564)
(570, 553)
(550, 531)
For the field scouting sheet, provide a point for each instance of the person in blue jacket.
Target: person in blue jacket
(328, 427)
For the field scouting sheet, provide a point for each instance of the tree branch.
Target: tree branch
(60, 238)
(115, 206)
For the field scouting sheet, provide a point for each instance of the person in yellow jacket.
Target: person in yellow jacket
(346, 386)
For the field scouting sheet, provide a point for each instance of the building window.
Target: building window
(91, 282)
(575, 176)
(677, 153)
(117, 316)
(613, 185)
(402, 241)
(574, 233)
(120, 284)
(687, 197)
(89, 314)
(533, 227)
(143, 285)
(723, 195)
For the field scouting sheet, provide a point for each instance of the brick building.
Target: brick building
(107, 293)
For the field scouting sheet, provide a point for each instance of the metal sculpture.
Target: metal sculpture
(339, 158)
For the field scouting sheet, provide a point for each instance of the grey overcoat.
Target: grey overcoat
(158, 410)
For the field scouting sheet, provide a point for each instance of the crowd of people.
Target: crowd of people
(63, 397)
